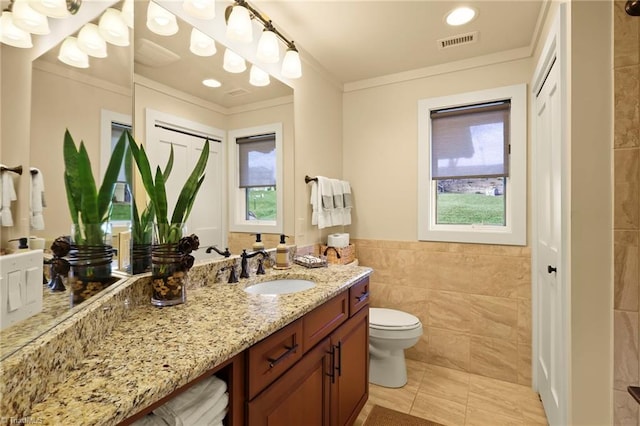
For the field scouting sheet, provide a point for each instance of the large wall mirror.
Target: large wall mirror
(141, 85)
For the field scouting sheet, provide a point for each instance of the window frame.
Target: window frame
(515, 230)
(237, 195)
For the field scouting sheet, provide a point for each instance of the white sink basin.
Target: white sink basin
(283, 286)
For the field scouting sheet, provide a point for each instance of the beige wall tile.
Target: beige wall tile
(627, 273)
(627, 107)
(626, 189)
(494, 317)
(524, 322)
(495, 358)
(524, 365)
(438, 409)
(625, 36)
(625, 349)
(625, 409)
(449, 310)
(448, 349)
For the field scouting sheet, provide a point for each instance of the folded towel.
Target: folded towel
(337, 214)
(322, 202)
(8, 195)
(150, 420)
(202, 404)
(37, 199)
(348, 203)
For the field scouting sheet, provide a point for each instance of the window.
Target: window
(256, 195)
(472, 167)
(113, 126)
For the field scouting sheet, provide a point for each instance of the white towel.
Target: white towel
(348, 202)
(8, 195)
(202, 404)
(150, 420)
(322, 202)
(337, 214)
(37, 199)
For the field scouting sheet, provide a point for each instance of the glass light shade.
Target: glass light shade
(268, 48)
(127, 12)
(201, 44)
(258, 77)
(91, 42)
(239, 25)
(233, 62)
(460, 16)
(113, 28)
(51, 8)
(71, 54)
(25, 18)
(12, 35)
(291, 65)
(160, 20)
(203, 9)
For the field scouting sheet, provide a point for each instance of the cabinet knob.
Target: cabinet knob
(551, 269)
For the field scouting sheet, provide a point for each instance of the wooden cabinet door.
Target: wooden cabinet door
(350, 391)
(299, 397)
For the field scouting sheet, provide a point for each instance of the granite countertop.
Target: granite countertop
(153, 351)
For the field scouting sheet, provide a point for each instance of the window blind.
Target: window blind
(257, 161)
(470, 141)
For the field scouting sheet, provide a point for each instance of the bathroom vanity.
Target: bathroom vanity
(300, 354)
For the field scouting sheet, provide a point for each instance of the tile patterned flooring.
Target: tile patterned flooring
(453, 397)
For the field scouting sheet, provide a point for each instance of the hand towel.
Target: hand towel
(203, 403)
(337, 214)
(37, 199)
(150, 420)
(348, 202)
(322, 202)
(8, 195)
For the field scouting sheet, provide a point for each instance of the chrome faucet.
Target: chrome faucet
(225, 253)
(244, 273)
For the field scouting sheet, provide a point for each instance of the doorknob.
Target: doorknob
(551, 269)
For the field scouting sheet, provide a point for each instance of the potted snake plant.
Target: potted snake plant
(171, 250)
(91, 252)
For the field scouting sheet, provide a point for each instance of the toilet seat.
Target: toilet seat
(392, 320)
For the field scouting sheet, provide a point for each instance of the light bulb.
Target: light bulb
(233, 62)
(91, 42)
(258, 77)
(268, 48)
(12, 35)
(239, 25)
(203, 9)
(113, 28)
(201, 44)
(51, 8)
(291, 65)
(71, 54)
(28, 19)
(160, 20)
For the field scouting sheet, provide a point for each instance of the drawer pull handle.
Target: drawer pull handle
(290, 349)
(362, 296)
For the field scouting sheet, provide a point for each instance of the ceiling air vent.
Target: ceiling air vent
(458, 40)
(237, 92)
(153, 55)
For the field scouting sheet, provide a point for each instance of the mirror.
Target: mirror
(63, 97)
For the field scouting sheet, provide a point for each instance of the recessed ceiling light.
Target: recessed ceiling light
(460, 16)
(211, 82)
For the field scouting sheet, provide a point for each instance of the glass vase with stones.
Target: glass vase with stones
(90, 257)
(169, 273)
(141, 249)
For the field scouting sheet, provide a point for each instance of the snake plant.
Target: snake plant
(89, 207)
(169, 231)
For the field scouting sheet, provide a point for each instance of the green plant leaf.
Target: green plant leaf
(187, 194)
(142, 161)
(89, 195)
(169, 166)
(195, 192)
(160, 202)
(105, 195)
(70, 154)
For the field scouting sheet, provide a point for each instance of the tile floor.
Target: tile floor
(453, 397)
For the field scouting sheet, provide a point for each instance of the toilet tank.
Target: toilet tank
(20, 286)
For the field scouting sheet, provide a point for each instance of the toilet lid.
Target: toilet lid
(383, 318)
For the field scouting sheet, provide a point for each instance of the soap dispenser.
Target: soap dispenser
(258, 245)
(282, 254)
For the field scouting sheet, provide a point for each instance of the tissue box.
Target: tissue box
(347, 254)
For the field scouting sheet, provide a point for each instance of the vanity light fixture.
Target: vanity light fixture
(268, 49)
(91, 42)
(71, 54)
(28, 19)
(201, 44)
(460, 16)
(160, 20)
(56, 8)
(233, 62)
(12, 35)
(211, 82)
(113, 28)
(203, 9)
(258, 77)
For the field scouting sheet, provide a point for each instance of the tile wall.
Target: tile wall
(474, 302)
(626, 155)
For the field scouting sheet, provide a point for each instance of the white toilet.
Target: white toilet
(390, 333)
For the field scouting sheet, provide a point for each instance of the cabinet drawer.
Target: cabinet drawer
(269, 359)
(358, 296)
(318, 323)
